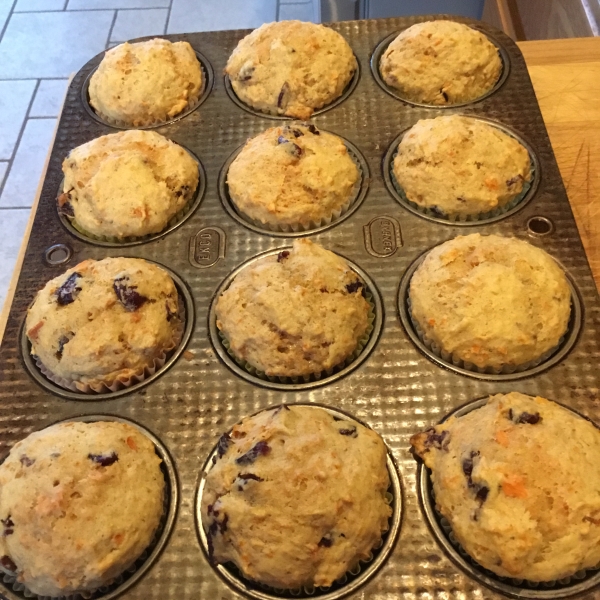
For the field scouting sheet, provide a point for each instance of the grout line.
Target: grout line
(40, 118)
(168, 17)
(8, 17)
(65, 5)
(19, 137)
(277, 10)
(34, 78)
(15, 207)
(84, 10)
(114, 20)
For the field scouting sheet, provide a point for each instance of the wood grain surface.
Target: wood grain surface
(566, 78)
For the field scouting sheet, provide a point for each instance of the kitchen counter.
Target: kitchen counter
(566, 77)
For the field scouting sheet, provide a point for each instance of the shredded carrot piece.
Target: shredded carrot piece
(514, 487)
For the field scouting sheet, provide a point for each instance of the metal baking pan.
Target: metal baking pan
(397, 390)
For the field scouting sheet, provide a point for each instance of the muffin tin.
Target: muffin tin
(398, 389)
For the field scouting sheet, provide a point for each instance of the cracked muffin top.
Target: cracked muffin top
(126, 184)
(519, 482)
(79, 503)
(291, 68)
(292, 175)
(491, 301)
(441, 62)
(104, 320)
(297, 313)
(282, 500)
(146, 82)
(456, 166)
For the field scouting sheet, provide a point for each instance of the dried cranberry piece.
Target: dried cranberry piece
(68, 291)
(223, 444)
(104, 460)
(482, 494)
(282, 256)
(326, 541)
(8, 526)
(313, 129)
(8, 564)
(445, 96)
(295, 132)
(26, 461)
(127, 295)
(62, 340)
(223, 524)
(246, 73)
(338, 419)
(350, 431)
(513, 180)
(184, 189)
(247, 476)
(212, 531)
(532, 419)
(439, 441)
(354, 286)
(467, 464)
(284, 88)
(259, 449)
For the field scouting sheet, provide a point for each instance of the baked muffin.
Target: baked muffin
(441, 62)
(282, 500)
(297, 313)
(145, 83)
(104, 321)
(130, 183)
(455, 166)
(519, 482)
(491, 301)
(79, 503)
(291, 68)
(293, 177)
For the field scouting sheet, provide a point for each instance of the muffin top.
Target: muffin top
(79, 503)
(441, 62)
(125, 184)
(490, 300)
(146, 82)
(282, 500)
(291, 68)
(292, 175)
(104, 320)
(519, 482)
(297, 313)
(457, 166)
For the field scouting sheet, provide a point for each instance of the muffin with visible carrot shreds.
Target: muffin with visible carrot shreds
(519, 481)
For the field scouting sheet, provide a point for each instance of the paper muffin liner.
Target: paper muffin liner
(9, 578)
(351, 573)
(360, 346)
(454, 360)
(324, 221)
(124, 381)
(470, 218)
(519, 583)
(176, 218)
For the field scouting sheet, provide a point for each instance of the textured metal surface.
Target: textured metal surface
(397, 390)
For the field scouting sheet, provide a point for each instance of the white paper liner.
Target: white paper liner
(521, 583)
(119, 382)
(470, 218)
(454, 360)
(327, 220)
(360, 346)
(10, 579)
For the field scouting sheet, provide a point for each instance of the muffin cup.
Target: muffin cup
(360, 346)
(119, 382)
(357, 195)
(529, 187)
(128, 577)
(192, 104)
(580, 581)
(355, 577)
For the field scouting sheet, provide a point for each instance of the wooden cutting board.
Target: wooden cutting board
(566, 78)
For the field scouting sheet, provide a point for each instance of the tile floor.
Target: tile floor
(39, 49)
